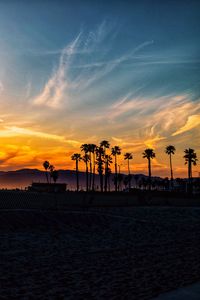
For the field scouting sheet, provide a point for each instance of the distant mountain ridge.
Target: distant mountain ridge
(24, 177)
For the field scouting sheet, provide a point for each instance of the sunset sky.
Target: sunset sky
(74, 72)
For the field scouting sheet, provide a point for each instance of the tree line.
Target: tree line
(99, 158)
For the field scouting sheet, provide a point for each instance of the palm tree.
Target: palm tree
(128, 156)
(109, 172)
(46, 165)
(92, 149)
(105, 144)
(115, 151)
(108, 162)
(85, 149)
(86, 159)
(51, 169)
(149, 154)
(190, 159)
(90, 164)
(100, 163)
(77, 158)
(170, 150)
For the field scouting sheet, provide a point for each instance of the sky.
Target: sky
(74, 72)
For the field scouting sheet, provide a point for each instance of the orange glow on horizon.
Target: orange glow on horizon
(31, 151)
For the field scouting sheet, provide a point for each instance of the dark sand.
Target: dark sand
(111, 253)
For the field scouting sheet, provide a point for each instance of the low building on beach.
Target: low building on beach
(48, 187)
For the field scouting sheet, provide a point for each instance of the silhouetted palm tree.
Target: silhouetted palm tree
(86, 158)
(100, 163)
(116, 151)
(149, 154)
(109, 172)
(92, 148)
(190, 159)
(108, 162)
(105, 144)
(51, 169)
(77, 158)
(170, 150)
(90, 151)
(128, 156)
(46, 165)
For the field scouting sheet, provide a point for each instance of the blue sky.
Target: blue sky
(83, 71)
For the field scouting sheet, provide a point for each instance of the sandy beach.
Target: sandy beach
(98, 253)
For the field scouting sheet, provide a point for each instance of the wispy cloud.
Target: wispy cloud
(11, 131)
(192, 122)
(1, 87)
(100, 69)
(28, 89)
(6, 157)
(55, 89)
(58, 88)
(65, 82)
(148, 122)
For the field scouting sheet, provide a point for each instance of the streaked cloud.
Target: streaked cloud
(55, 90)
(15, 131)
(192, 122)
(1, 87)
(65, 83)
(7, 156)
(151, 143)
(10, 131)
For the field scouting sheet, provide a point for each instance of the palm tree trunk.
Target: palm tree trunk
(106, 177)
(90, 182)
(101, 181)
(129, 182)
(170, 159)
(189, 175)
(115, 173)
(77, 177)
(128, 168)
(93, 179)
(47, 177)
(101, 174)
(86, 177)
(106, 168)
(149, 167)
